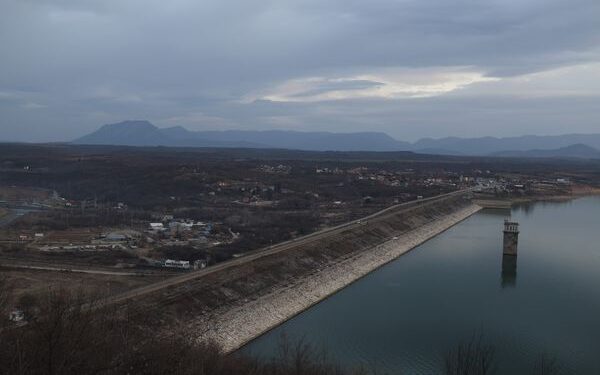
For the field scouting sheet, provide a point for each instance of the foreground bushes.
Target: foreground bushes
(66, 334)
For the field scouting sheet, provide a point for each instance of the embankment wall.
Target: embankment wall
(237, 305)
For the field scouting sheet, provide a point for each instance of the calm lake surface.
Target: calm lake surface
(404, 317)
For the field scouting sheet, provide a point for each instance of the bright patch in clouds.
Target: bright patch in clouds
(388, 84)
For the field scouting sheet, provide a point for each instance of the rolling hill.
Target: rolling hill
(143, 133)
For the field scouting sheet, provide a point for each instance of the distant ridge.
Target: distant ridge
(578, 151)
(492, 145)
(143, 133)
(130, 133)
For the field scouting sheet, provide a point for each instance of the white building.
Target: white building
(16, 316)
(157, 227)
(182, 264)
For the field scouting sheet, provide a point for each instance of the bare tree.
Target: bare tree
(473, 357)
(68, 334)
(5, 299)
(546, 364)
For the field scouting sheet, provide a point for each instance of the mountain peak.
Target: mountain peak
(131, 124)
(580, 147)
(133, 132)
(578, 151)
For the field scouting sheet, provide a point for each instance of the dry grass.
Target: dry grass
(38, 282)
(14, 193)
(585, 190)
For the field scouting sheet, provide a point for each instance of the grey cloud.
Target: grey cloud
(92, 61)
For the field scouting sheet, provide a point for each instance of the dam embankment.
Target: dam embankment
(240, 303)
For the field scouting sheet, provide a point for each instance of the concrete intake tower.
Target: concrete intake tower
(511, 237)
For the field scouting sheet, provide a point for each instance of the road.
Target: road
(45, 265)
(257, 254)
(69, 269)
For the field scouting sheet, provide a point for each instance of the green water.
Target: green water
(404, 317)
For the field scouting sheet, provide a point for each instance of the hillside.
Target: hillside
(143, 133)
(578, 151)
(492, 145)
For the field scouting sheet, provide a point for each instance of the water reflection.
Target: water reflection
(503, 212)
(406, 315)
(525, 208)
(509, 271)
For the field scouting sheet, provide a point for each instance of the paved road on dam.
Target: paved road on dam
(283, 246)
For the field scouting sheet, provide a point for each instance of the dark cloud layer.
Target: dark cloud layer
(411, 68)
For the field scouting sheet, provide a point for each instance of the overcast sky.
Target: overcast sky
(410, 68)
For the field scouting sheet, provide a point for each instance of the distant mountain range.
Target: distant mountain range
(143, 133)
(579, 151)
(492, 145)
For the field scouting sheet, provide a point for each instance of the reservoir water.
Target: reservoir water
(405, 317)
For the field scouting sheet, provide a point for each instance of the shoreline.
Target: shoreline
(576, 193)
(553, 198)
(509, 202)
(239, 326)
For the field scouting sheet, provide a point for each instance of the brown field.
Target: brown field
(585, 190)
(39, 281)
(71, 235)
(13, 193)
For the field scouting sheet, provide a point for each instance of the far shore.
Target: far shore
(578, 191)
